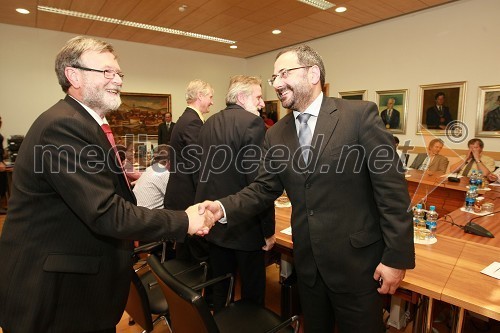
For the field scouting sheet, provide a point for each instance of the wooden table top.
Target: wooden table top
(437, 179)
(468, 288)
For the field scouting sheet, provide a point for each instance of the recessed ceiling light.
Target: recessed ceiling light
(276, 31)
(340, 9)
(321, 4)
(234, 46)
(132, 24)
(22, 11)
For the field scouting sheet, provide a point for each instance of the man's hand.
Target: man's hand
(269, 243)
(199, 222)
(389, 277)
(213, 207)
(2, 167)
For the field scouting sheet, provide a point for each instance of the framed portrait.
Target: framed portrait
(359, 95)
(326, 89)
(272, 110)
(488, 111)
(139, 114)
(441, 105)
(392, 108)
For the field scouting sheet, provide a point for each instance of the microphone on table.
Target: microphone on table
(471, 227)
(454, 179)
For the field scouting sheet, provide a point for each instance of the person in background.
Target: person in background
(150, 188)
(474, 160)
(165, 129)
(351, 229)
(438, 116)
(127, 157)
(184, 162)
(494, 176)
(492, 121)
(431, 161)
(268, 122)
(238, 246)
(390, 116)
(402, 156)
(66, 245)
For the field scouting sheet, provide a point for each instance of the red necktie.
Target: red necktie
(111, 139)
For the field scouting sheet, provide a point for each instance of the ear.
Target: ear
(242, 98)
(314, 75)
(73, 76)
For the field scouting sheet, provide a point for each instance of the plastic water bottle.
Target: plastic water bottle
(418, 215)
(432, 217)
(480, 179)
(473, 178)
(470, 198)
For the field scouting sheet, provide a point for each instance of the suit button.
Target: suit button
(308, 185)
(311, 212)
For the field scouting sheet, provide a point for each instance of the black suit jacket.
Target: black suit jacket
(349, 212)
(393, 121)
(231, 142)
(184, 161)
(66, 244)
(164, 133)
(434, 119)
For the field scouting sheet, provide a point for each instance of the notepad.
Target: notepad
(287, 231)
(493, 270)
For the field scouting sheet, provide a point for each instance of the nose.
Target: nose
(117, 80)
(277, 82)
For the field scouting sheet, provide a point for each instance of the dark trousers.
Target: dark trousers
(251, 268)
(351, 312)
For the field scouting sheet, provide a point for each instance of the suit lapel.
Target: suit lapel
(291, 140)
(325, 126)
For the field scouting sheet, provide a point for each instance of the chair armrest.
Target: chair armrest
(216, 280)
(285, 324)
(146, 248)
(187, 270)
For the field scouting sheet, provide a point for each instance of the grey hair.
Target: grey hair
(241, 84)
(197, 86)
(71, 52)
(307, 57)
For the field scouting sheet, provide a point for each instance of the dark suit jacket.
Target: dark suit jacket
(165, 134)
(184, 161)
(438, 163)
(66, 244)
(393, 121)
(232, 138)
(349, 212)
(433, 119)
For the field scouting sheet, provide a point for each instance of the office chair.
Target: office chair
(146, 304)
(190, 313)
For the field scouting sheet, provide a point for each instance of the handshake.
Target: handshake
(203, 216)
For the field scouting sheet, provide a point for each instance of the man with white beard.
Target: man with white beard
(230, 142)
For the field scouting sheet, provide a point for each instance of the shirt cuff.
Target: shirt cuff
(223, 220)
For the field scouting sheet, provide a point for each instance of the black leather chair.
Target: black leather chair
(146, 304)
(190, 313)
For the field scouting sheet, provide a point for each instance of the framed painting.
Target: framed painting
(392, 108)
(441, 107)
(488, 111)
(326, 89)
(272, 110)
(359, 95)
(139, 114)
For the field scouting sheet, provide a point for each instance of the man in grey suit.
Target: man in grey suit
(352, 229)
(67, 243)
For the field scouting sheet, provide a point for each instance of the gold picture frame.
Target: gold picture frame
(488, 112)
(396, 122)
(360, 95)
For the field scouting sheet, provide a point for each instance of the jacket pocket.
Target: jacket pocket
(364, 238)
(68, 263)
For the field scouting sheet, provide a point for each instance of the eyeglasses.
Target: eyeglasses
(283, 74)
(108, 73)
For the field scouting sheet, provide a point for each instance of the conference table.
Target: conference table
(448, 270)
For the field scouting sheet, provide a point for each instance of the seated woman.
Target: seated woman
(431, 160)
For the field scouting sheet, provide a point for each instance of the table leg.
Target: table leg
(458, 320)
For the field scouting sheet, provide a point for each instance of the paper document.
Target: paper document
(287, 231)
(493, 270)
(454, 174)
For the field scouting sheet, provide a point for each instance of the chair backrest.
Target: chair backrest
(189, 313)
(138, 304)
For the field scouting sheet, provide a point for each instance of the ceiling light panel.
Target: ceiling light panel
(321, 4)
(133, 24)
